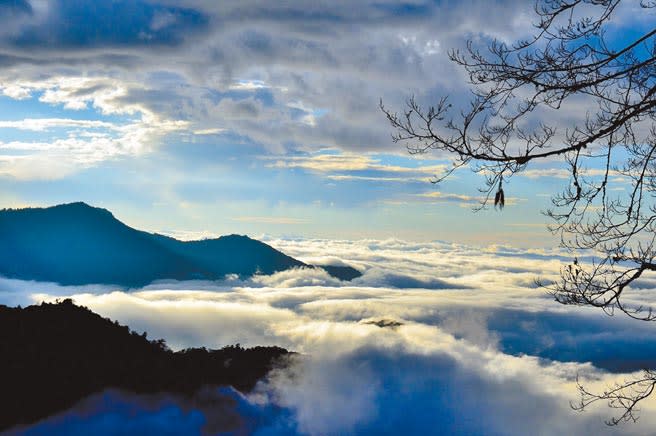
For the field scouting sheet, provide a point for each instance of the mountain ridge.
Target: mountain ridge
(78, 244)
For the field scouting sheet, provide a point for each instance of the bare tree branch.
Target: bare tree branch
(502, 131)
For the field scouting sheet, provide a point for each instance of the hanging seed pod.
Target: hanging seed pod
(499, 199)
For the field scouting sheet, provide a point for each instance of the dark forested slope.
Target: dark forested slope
(54, 355)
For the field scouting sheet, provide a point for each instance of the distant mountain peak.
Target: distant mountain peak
(78, 244)
(236, 236)
(80, 206)
(76, 206)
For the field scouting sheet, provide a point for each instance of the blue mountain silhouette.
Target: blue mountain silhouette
(76, 244)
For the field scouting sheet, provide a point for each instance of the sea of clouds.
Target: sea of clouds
(434, 338)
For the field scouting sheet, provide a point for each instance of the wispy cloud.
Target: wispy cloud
(352, 167)
(325, 163)
(464, 200)
(79, 143)
(561, 173)
(42, 124)
(271, 220)
(209, 131)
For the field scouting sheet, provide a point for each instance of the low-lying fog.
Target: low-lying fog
(433, 338)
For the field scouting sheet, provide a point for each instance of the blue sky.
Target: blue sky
(203, 119)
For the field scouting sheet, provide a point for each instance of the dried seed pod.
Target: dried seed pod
(499, 199)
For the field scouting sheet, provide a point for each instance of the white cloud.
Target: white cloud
(42, 124)
(209, 131)
(352, 167)
(84, 142)
(271, 220)
(327, 163)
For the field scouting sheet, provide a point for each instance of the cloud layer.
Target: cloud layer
(434, 337)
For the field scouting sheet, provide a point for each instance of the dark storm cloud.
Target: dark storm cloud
(320, 67)
(78, 24)
(10, 8)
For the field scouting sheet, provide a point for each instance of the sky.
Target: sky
(197, 118)
(201, 118)
(471, 347)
